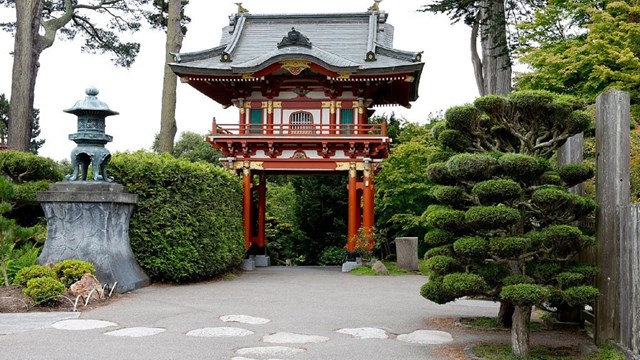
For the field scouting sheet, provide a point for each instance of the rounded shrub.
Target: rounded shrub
(523, 168)
(23, 166)
(517, 279)
(438, 128)
(43, 290)
(464, 284)
(462, 117)
(580, 295)
(441, 264)
(333, 255)
(439, 156)
(439, 174)
(574, 174)
(588, 271)
(508, 247)
(71, 270)
(550, 178)
(440, 250)
(471, 167)
(562, 239)
(451, 195)
(438, 237)
(579, 121)
(471, 247)
(492, 192)
(544, 272)
(449, 220)
(31, 272)
(454, 139)
(187, 224)
(435, 291)
(524, 294)
(569, 279)
(491, 217)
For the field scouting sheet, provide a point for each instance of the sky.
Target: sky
(65, 72)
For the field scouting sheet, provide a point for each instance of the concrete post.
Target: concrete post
(407, 253)
(613, 191)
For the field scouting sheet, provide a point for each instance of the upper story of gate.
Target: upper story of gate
(304, 85)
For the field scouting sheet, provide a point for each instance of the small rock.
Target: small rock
(85, 286)
(379, 268)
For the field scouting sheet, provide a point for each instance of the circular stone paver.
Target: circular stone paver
(262, 351)
(219, 332)
(291, 338)
(135, 332)
(426, 337)
(364, 333)
(82, 324)
(244, 319)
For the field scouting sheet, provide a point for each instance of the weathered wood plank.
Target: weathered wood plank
(612, 191)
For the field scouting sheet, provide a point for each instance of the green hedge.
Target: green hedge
(187, 224)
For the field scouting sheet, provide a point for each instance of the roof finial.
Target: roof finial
(376, 6)
(241, 9)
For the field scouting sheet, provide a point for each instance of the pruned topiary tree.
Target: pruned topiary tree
(504, 226)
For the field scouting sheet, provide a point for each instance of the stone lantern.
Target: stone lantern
(90, 138)
(89, 220)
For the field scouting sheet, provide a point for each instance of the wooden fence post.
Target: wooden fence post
(612, 192)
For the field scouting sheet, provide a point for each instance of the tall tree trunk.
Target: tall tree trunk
(25, 70)
(168, 126)
(520, 331)
(475, 58)
(496, 60)
(505, 315)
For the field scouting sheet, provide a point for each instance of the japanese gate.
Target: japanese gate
(304, 86)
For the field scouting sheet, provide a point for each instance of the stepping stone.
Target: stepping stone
(262, 351)
(426, 337)
(220, 332)
(82, 324)
(135, 332)
(290, 338)
(364, 333)
(244, 319)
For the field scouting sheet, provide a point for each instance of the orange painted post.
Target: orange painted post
(352, 228)
(243, 119)
(367, 217)
(262, 208)
(246, 209)
(332, 118)
(270, 117)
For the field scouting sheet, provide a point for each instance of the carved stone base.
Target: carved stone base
(90, 221)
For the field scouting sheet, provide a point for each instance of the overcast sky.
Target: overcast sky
(65, 72)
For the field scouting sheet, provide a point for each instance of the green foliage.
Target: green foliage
(575, 174)
(588, 271)
(446, 219)
(439, 174)
(580, 295)
(508, 247)
(462, 117)
(36, 143)
(524, 294)
(43, 290)
(471, 167)
(491, 217)
(471, 247)
(177, 234)
(435, 291)
(569, 279)
(464, 284)
(439, 156)
(563, 239)
(517, 279)
(441, 264)
(444, 250)
(450, 195)
(32, 272)
(193, 147)
(22, 166)
(544, 272)
(22, 257)
(454, 139)
(523, 168)
(500, 191)
(438, 237)
(333, 255)
(71, 270)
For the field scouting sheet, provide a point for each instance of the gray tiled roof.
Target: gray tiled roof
(340, 42)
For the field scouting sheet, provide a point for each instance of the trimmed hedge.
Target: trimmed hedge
(187, 224)
(471, 167)
(32, 272)
(491, 217)
(524, 294)
(492, 192)
(574, 174)
(471, 247)
(43, 290)
(71, 270)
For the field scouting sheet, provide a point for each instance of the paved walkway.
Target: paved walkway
(271, 313)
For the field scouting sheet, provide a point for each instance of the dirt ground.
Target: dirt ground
(12, 301)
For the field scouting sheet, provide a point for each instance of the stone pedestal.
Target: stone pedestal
(262, 261)
(350, 265)
(407, 252)
(90, 221)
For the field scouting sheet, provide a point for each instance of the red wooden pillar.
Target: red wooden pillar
(269, 117)
(262, 208)
(246, 203)
(361, 118)
(243, 117)
(333, 119)
(352, 225)
(368, 215)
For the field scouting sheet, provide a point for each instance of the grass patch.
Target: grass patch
(490, 323)
(391, 266)
(422, 267)
(503, 352)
